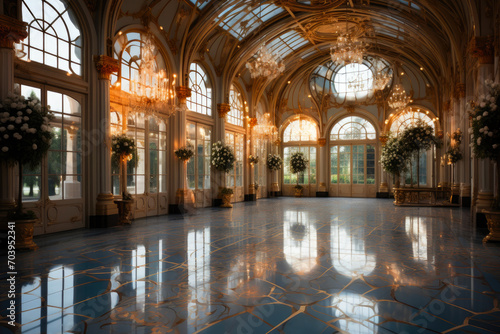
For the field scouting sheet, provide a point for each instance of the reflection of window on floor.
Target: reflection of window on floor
(59, 303)
(348, 252)
(416, 229)
(138, 275)
(300, 244)
(355, 313)
(198, 254)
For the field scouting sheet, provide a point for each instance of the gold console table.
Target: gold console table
(408, 196)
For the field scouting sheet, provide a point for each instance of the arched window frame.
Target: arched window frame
(237, 103)
(54, 35)
(201, 90)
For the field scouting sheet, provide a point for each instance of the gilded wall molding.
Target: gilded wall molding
(11, 31)
(106, 66)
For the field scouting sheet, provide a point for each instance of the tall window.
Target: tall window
(353, 81)
(201, 92)
(54, 37)
(198, 167)
(157, 144)
(136, 167)
(235, 176)
(64, 159)
(235, 116)
(300, 135)
(352, 158)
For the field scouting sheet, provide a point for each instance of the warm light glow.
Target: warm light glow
(265, 64)
(398, 99)
(347, 49)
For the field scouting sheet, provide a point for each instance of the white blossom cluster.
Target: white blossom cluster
(485, 129)
(298, 163)
(24, 127)
(184, 153)
(274, 162)
(393, 156)
(222, 157)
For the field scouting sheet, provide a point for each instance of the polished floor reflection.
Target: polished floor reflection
(282, 265)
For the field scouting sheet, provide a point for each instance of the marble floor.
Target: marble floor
(281, 265)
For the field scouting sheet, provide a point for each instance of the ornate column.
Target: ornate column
(483, 50)
(384, 187)
(252, 195)
(441, 171)
(323, 168)
(106, 213)
(180, 168)
(220, 135)
(11, 31)
(465, 167)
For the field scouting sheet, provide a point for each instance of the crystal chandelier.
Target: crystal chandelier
(265, 128)
(151, 91)
(398, 99)
(265, 64)
(348, 49)
(381, 78)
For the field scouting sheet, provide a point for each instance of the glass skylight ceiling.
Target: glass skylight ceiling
(201, 3)
(287, 43)
(241, 19)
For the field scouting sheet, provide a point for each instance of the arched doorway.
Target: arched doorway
(353, 158)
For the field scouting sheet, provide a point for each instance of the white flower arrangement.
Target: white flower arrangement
(222, 157)
(274, 162)
(394, 156)
(298, 163)
(123, 147)
(253, 160)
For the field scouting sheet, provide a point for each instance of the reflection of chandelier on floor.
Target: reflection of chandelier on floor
(152, 91)
(265, 129)
(265, 64)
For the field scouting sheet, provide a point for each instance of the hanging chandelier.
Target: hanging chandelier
(398, 99)
(265, 129)
(381, 78)
(151, 90)
(348, 48)
(265, 64)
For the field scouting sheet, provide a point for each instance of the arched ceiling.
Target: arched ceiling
(426, 35)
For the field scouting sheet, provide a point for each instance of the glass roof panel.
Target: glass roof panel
(201, 3)
(239, 20)
(287, 43)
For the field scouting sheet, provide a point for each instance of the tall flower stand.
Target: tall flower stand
(24, 234)
(226, 201)
(124, 211)
(493, 218)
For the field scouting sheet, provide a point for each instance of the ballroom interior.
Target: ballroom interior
(360, 250)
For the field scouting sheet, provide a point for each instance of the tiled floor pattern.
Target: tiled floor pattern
(281, 265)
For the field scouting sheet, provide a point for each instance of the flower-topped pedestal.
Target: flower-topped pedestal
(274, 163)
(298, 164)
(223, 159)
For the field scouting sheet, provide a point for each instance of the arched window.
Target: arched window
(353, 81)
(352, 158)
(300, 130)
(54, 37)
(408, 118)
(235, 116)
(353, 128)
(297, 137)
(201, 92)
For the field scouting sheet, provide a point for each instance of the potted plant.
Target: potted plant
(274, 162)
(184, 153)
(394, 158)
(227, 194)
(416, 138)
(298, 164)
(124, 149)
(485, 136)
(223, 160)
(25, 138)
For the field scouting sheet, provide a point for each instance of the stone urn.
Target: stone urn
(24, 234)
(226, 201)
(493, 218)
(124, 210)
(298, 191)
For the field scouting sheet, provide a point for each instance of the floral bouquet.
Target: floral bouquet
(394, 156)
(298, 163)
(274, 162)
(418, 137)
(485, 130)
(253, 160)
(454, 154)
(123, 147)
(222, 157)
(25, 136)
(226, 191)
(184, 153)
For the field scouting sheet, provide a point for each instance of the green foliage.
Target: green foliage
(184, 153)
(274, 162)
(418, 137)
(226, 191)
(394, 156)
(485, 130)
(222, 157)
(123, 146)
(454, 154)
(252, 159)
